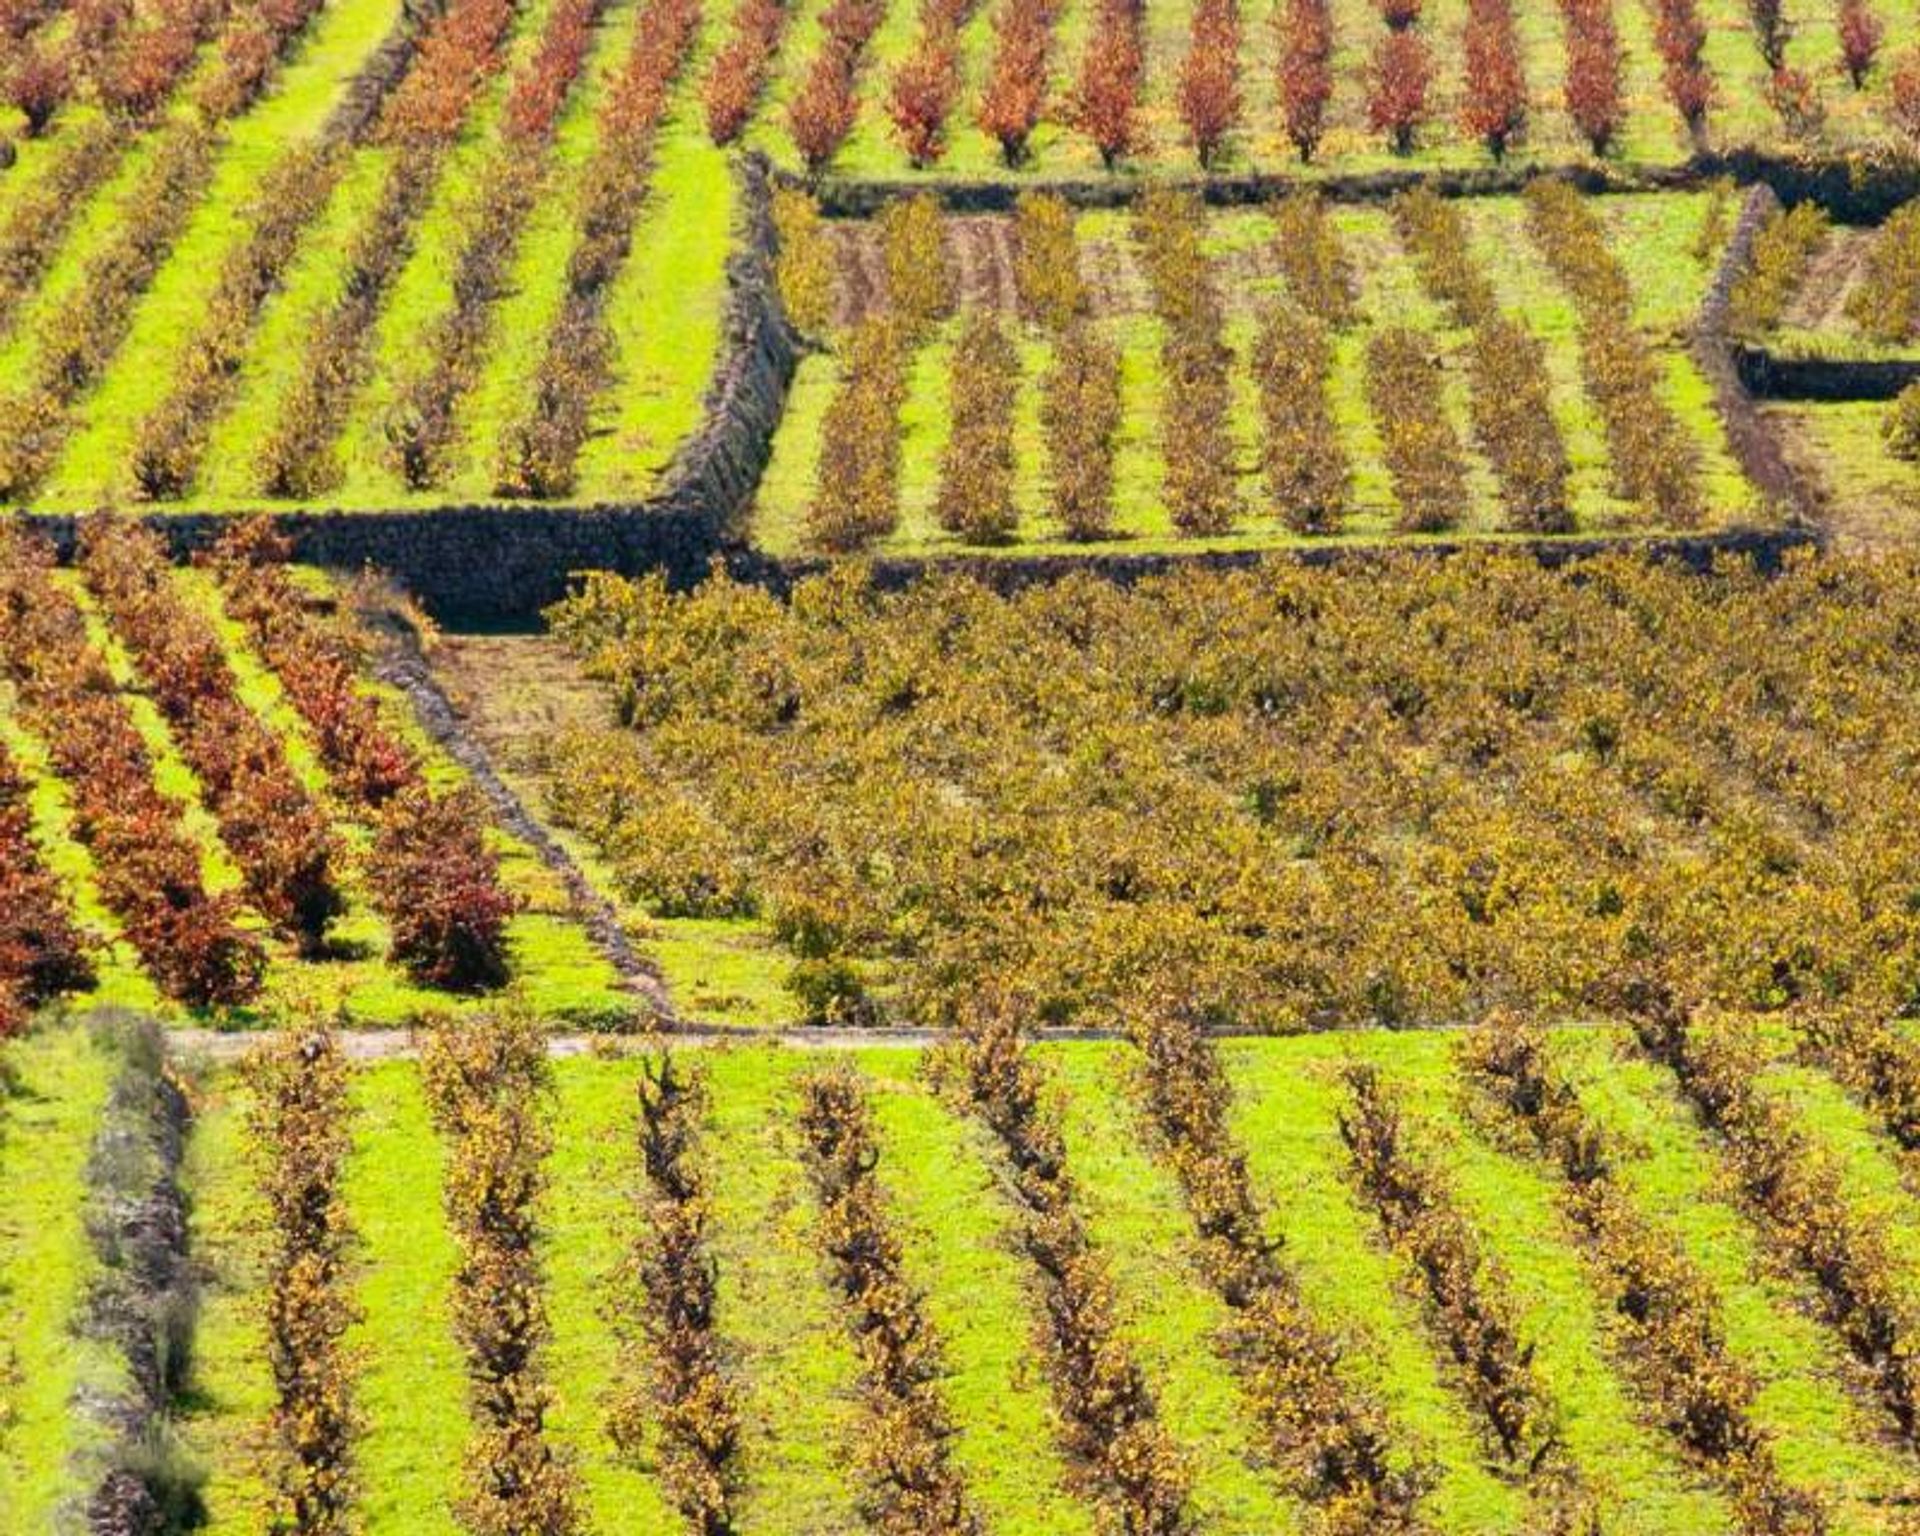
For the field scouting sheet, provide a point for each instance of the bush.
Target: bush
(1860, 34)
(922, 93)
(1080, 418)
(1210, 78)
(1016, 88)
(1306, 72)
(1401, 72)
(804, 262)
(1901, 425)
(1105, 104)
(1495, 107)
(438, 882)
(1592, 90)
(1306, 467)
(975, 499)
(1406, 392)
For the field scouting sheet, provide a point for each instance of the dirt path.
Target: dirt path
(980, 249)
(1820, 302)
(403, 664)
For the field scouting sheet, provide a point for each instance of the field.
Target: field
(959, 768)
(1417, 1046)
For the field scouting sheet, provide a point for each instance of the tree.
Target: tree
(1402, 72)
(1106, 99)
(1306, 72)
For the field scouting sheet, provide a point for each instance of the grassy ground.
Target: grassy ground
(783, 1333)
(557, 968)
(53, 1088)
(1658, 240)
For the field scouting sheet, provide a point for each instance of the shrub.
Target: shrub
(1495, 107)
(484, 1076)
(1401, 72)
(1210, 78)
(1015, 92)
(438, 883)
(912, 1482)
(1306, 467)
(1080, 418)
(739, 70)
(1306, 72)
(1901, 425)
(1105, 104)
(803, 263)
(922, 94)
(1903, 106)
(1308, 249)
(919, 276)
(280, 838)
(1406, 392)
(38, 85)
(147, 866)
(1885, 303)
(1782, 248)
(1592, 90)
(42, 952)
(857, 481)
(1046, 260)
(1860, 34)
(1795, 99)
(672, 1296)
(300, 1123)
(975, 499)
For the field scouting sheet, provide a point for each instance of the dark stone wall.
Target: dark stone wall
(501, 564)
(1717, 355)
(1822, 378)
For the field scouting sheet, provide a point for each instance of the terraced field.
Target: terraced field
(373, 246)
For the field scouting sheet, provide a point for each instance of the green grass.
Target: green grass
(1655, 236)
(94, 467)
(784, 1338)
(47, 1122)
(411, 1388)
(232, 1386)
(784, 1335)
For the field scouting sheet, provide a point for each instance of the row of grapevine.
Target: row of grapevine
(856, 496)
(458, 55)
(1196, 446)
(1333, 1439)
(81, 337)
(172, 438)
(421, 427)
(485, 1078)
(679, 1389)
(824, 108)
(1080, 400)
(540, 449)
(42, 951)
(738, 74)
(1400, 75)
(1795, 1186)
(1406, 391)
(1106, 1415)
(1653, 461)
(300, 1122)
(147, 864)
(126, 58)
(925, 85)
(1468, 1292)
(1510, 397)
(913, 1483)
(1885, 303)
(38, 223)
(432, 871)
(278, 835)
(1783, 247)
(1677, 1341)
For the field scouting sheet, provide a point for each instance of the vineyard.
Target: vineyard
(959, 768)
(1295, 371)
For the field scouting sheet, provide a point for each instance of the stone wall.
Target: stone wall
(1822, 378)
(492, 564)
